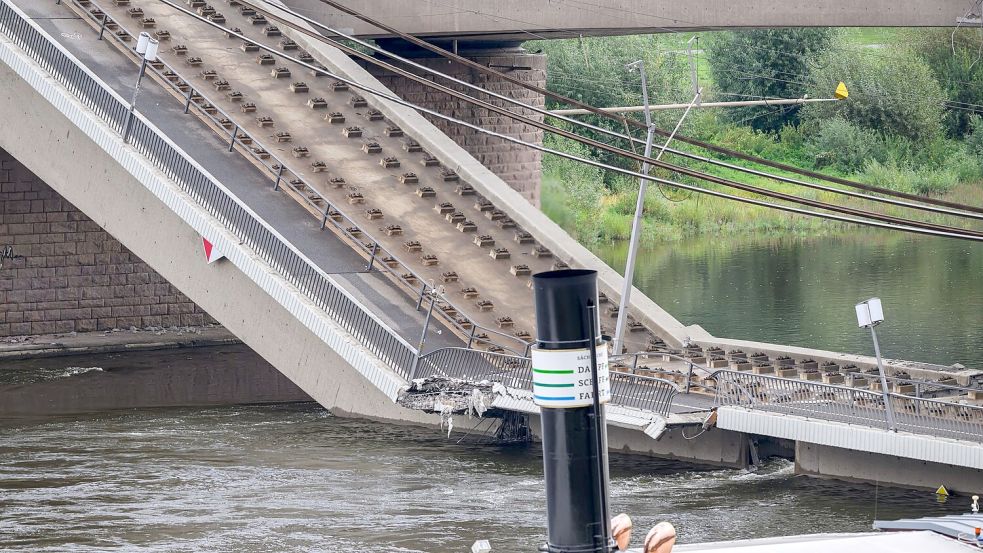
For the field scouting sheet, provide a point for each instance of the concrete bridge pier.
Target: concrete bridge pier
(520, 167)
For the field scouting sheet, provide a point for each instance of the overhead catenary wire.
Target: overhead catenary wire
(594, 143)
(386, 95)
(590, 142)
(633, 122)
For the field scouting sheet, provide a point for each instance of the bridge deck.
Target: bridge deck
(329, 252)
(380, 187)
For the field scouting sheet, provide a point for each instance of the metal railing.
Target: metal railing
(218, 202)
(331, 214)
(686, 380)
(842, 404)
(630, 390)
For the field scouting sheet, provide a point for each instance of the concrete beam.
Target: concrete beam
(64, 153)
(520, 20)
(859, 466)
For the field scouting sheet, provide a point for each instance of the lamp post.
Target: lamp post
(870, 314)
(147, 48)
(636, 224)
(435, 294)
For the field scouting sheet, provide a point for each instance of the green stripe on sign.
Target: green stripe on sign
(547, 371)
(552, 385)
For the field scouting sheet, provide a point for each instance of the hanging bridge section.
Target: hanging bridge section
(364, 248)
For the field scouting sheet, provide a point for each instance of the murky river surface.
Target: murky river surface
(294, 478)
(801, 291)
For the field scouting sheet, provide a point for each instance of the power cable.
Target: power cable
(606, 147)
(909, 226)
(630, 121)
(548, 128)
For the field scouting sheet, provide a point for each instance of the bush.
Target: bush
(922, 180)
(841, 145)
(583, 185)
(764, 63)
(975, 139)
(895, 95)
(592, 70)
(959, 72)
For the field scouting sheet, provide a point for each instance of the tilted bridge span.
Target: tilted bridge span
(366, 249)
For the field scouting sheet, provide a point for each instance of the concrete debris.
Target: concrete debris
(439, 394)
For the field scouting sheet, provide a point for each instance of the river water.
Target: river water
(801, 291)
(294, 478)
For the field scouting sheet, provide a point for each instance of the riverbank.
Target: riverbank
(112, 341)
(674, 216)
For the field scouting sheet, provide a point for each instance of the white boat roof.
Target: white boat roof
(879, 542)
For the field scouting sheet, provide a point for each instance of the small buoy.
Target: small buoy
(975, 507)
(942, 491)
(841, 92)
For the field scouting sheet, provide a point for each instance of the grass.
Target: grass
(870, 36)
(673, 215)
(950, 173)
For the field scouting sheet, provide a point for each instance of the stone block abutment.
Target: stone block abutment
(520, 167)
(60, 272)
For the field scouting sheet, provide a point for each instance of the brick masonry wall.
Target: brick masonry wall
(62, 273)
(519, 166)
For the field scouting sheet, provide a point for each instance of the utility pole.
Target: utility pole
(636, 224)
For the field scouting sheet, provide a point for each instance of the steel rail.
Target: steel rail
(638, 124)
(629, 390)
(563, 117)
(913, 226)
(281, 175)
(253, 232)
(611, 149)
(849, 405)
(397, 100)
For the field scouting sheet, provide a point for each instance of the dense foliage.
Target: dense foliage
(768, 63)
(956, 61)
(912, 122)
(893, 95)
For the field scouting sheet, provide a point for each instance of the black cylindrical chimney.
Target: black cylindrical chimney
(574, 440)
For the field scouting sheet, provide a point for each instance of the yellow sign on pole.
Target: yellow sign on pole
(841, 92)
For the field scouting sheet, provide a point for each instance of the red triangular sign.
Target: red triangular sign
(211, 252)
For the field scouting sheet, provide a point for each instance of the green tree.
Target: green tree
(767, 63)
(893, 93)
(956, 62)
(582, 185)
(592, 70)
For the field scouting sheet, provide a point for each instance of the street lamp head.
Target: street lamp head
(142, 41)
(151, 54)
(870, 313)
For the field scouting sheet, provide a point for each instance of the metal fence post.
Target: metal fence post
(187, 105)
(471, 336)
(423, 292)
(279, 175)
(232, 141)
(375, 249)
(102, 28)
(689, 377)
